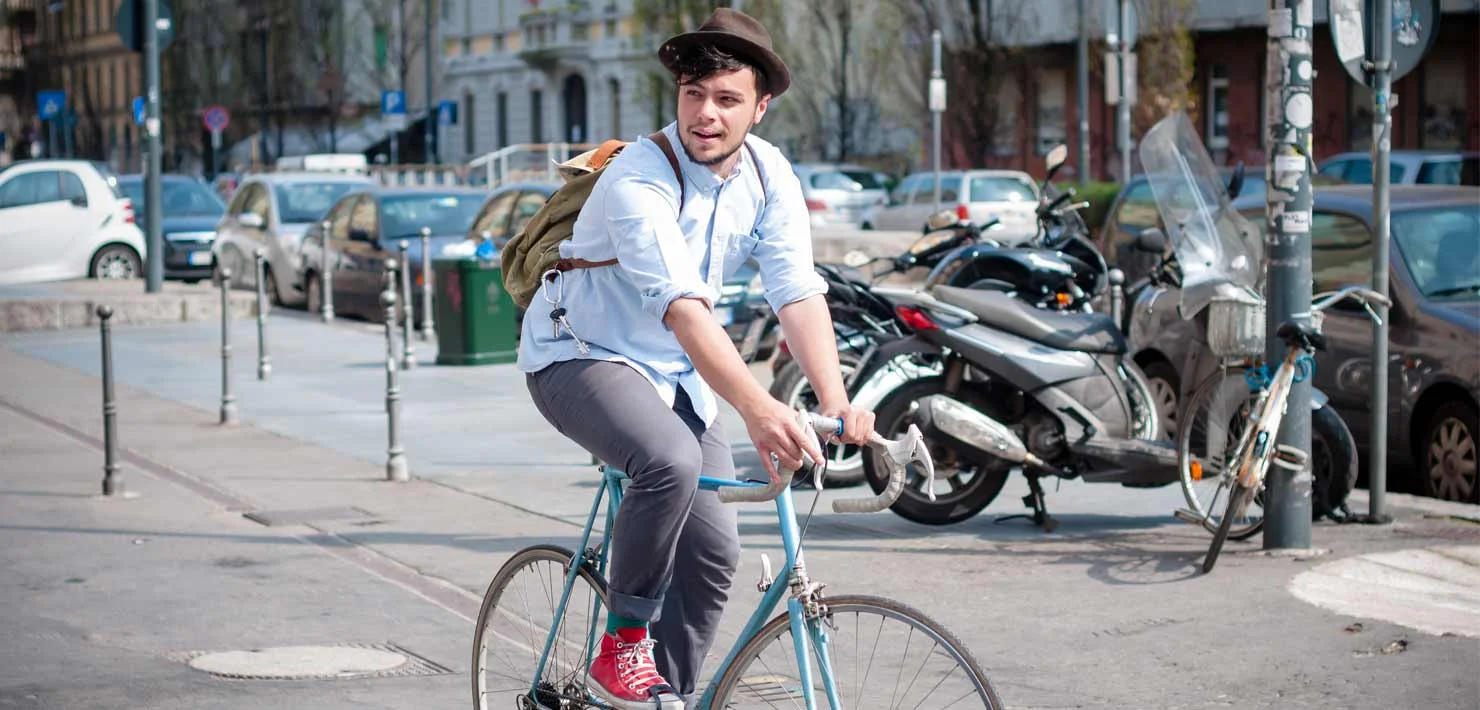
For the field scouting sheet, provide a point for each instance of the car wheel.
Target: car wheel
(1165, 385)
(1447, 457)
(867, 226)
(116, 262)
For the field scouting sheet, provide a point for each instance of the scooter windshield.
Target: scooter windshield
(1218, 250)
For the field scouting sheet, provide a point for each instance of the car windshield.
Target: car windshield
(848, 180)
(1441, 246)
(405, 215)
(177, 198)
(1001, 189)
(309, 201)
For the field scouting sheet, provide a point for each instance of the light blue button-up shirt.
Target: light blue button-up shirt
(618, 310)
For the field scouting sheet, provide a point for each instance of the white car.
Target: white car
(271, 211)
(1009, 196)
(65, 219)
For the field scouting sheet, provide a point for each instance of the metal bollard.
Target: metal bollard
(264, 363)
(326, 277)
(395, 462)
(408, 315)
(428, 328)
(111, 483)
(228, 402)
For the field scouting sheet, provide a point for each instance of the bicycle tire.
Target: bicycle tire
(1187, 433)
(1234, 502)
(533, 640)
(778, 630)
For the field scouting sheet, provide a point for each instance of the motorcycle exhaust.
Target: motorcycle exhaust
(940, 415)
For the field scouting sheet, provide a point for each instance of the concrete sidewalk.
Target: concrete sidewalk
(1106, 612)
(63, 305)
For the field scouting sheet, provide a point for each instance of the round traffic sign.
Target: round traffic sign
(216, 118)
(1415, 26)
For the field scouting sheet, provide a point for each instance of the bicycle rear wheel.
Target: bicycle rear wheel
(522, 604)
(884, 654)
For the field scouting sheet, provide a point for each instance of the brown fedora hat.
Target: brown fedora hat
(737, 33)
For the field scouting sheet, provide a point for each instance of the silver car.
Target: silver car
(839, 195)
(1407, 167)
(1009, 196)
(272, 211)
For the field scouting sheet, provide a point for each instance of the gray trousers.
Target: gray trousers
(674, 548)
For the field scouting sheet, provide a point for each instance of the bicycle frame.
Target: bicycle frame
(803, 634)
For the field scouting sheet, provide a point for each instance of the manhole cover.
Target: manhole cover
(313, 662)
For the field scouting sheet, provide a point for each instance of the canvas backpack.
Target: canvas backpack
(535, 250)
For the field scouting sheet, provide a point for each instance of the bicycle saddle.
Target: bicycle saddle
(1295, 334)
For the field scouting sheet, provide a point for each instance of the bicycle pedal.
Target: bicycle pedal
(766, 576)
(1187, 516)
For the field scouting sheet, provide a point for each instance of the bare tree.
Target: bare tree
(321, 30)
(981, 67)
(1164, 55)
(840, 53)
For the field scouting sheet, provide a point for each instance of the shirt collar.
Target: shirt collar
(701, 175)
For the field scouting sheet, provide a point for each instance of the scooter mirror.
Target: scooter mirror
(856, 258)
(941, 220)
(1152, 240)
(1056, 157)
(1236, 182)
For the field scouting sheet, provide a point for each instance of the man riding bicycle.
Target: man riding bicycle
(631, 369)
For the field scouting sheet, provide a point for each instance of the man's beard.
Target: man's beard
(716, 160)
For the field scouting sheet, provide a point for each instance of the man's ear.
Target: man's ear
(760, 109)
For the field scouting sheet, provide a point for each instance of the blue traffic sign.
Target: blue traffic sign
(393, 102)
(50, 104)
(447, 113)
(139, 110)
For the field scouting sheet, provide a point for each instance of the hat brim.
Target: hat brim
(777, 75)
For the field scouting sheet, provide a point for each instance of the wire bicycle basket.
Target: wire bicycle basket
(1236, 327)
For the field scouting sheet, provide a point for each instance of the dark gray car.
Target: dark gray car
(1434, 339)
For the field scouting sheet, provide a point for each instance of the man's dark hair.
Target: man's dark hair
(703, 61)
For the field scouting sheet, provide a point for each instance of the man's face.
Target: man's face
(715, 114)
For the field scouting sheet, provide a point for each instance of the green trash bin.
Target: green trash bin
(477, 321)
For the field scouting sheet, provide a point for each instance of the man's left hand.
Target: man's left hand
(858, 423)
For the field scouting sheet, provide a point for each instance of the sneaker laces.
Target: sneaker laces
(635, 664)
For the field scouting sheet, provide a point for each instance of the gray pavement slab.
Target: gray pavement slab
(62, 305)
(1106, 612)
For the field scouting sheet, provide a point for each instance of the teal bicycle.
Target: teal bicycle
(541, 620)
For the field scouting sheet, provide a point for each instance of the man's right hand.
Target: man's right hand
(773, 428)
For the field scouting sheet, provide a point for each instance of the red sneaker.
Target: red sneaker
(625, 676)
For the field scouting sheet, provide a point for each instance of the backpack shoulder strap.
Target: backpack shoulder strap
(759, 173)
(662, 140)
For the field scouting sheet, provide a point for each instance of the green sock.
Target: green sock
(614, 622)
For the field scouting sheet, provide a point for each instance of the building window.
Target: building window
(498, 43)
(382, 47)
(537, 116)
(611, 28)
(470, 132)
(580, 32)
(1052, 96)
(616, 92)
(1009, 103)
(1442, 104)
(467, 46)
(1217, 128)
(501, 116)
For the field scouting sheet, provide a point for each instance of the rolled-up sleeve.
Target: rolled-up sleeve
(650, 247)
(784, 251)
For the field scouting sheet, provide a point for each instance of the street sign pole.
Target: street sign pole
(1082, 58)
(1381, 42)
(155, 246)
(1290, 69)
(937, 106)
(1125, 104)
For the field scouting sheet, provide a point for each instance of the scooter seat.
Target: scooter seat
(1082, 332)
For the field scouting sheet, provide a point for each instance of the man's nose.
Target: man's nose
(707, 110)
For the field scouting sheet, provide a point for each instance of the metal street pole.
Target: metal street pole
(937, 79)
(1083, 97)
(264, 361)
(264, 24)
(326, 274)
(1382, 126)
(408, 309)
(1287, 503)
(154, 241)
(112, 485)
(1125, 104)
(228, 401)
(395, 462)
(431, 123)
(428, 326)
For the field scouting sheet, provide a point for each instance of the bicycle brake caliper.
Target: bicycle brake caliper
(766, 577)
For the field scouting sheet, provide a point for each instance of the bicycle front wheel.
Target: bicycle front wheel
(1211, 431)
(883, 654)
(1240, 496)
(520, 608)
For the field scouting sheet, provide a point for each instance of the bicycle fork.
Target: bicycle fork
(807, 613)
